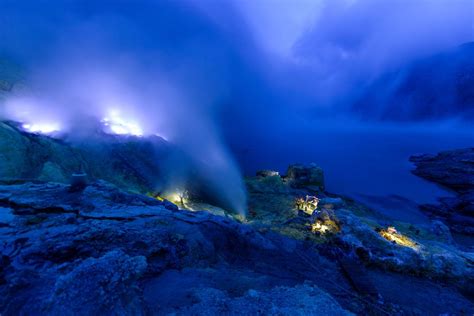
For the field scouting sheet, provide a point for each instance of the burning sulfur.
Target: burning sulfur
(115, 124)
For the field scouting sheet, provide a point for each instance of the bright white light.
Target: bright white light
(119, 130)
(41, 128)
(114, 124)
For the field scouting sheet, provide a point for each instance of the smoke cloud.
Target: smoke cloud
(140, 67)
(215, 77)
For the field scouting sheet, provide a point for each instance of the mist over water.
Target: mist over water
(362, 159)
(238, 85)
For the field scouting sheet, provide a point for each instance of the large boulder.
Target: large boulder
(427, 253)
(452, 169)
(306, 176)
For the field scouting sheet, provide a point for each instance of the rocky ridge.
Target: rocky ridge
(118, 252)
(101, 250)
(127, 162)
(455, 171)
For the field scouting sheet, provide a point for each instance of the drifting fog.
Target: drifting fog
(213, 77)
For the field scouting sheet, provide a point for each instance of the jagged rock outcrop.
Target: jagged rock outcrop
(306, 176)
(453, 170)
(341, 227)
(431, 254)
(102, 250)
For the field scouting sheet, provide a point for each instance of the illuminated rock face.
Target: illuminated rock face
(325, 222)
(392, 235)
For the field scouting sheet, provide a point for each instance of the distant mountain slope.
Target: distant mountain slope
(131, 163)
(437, 87)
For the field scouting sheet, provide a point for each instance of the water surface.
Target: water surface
(361, 160)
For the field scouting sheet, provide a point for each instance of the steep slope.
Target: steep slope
(440, 86)
(454, 170)
(129, 162)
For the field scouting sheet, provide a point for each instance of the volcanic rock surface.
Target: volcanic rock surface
(455, 171)
(128, 162)
(106, 251)
(103, 250)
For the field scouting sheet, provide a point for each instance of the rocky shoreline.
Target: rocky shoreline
(103, 250)
(453, 170)
(109, 247)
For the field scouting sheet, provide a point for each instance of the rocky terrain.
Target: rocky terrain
(455, 171)
(100, 250)
(106, 251)
(118, 245)
(118, 242)
(128, 162)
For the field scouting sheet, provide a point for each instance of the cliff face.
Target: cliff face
(132, 163)
(454, 170)
(129, 162)
(432, 88)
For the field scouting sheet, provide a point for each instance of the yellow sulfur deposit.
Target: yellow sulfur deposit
(391, 234)
(324, 226)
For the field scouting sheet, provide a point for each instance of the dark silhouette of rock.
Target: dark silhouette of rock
(306, 176)
(129, 162)
(454, 170)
